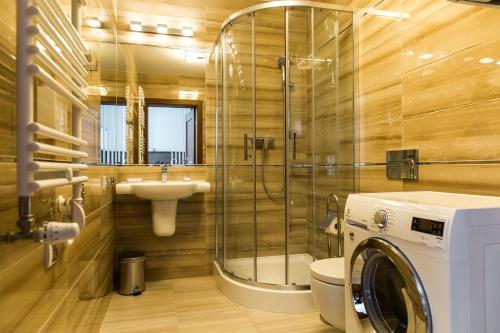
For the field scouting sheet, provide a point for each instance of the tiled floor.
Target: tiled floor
(195, 305)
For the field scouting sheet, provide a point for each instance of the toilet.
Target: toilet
(327, 287)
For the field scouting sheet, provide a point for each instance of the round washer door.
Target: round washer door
(387, 294)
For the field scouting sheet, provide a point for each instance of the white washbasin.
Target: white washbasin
(158, 190)
(163, 196)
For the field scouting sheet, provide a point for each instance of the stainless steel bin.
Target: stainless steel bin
(130, 273)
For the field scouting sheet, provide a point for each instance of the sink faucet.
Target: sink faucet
(164, 173)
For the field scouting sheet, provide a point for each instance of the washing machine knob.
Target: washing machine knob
(380, 218)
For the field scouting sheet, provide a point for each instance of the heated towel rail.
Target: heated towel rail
(50, 51)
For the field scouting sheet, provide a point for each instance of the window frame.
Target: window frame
(199, 117)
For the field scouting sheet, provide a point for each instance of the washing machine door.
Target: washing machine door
(387, 294)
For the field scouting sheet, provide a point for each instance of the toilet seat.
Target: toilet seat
(329, 271)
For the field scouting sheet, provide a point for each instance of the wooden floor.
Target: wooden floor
(195, 305)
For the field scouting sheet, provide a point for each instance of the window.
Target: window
(113, 145)
(172, 134)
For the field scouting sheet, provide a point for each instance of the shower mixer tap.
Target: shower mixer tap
(261, 142)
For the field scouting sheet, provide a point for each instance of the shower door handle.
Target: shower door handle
(293, 137)
(245, 146)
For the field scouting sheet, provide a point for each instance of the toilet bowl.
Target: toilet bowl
(327, 287)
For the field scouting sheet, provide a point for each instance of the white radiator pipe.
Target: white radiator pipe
(58, 72)
(25, 109)
(43, 76)
(56, 166)
(49, 29)
(53, 18)
(50, 183)
(67, 67)
(76, 130)
(43, 148)
(70, 28)
(55, 134)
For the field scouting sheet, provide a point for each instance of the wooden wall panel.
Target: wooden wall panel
(33, 298)
(423, 85)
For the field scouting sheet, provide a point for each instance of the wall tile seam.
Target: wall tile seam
(460, 106)
(470, 163)
(93, 214)
(374, 88)
(451, 55)
(20, 260)
(396, 119)
(409, 117)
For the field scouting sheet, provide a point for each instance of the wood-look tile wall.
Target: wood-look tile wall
(71, 295)
(423, 85)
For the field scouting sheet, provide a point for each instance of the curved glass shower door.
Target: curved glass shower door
(285, 137)
(238, 160)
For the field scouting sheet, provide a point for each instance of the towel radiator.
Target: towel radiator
(50, 50)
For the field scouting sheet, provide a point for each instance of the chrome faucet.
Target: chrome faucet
(164, 173)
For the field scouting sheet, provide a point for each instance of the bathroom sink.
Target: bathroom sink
(158, 190)
(164, 197)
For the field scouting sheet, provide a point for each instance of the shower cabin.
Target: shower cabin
(284, 138)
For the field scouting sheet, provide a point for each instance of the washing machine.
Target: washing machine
(422, 262)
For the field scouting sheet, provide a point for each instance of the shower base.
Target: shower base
(268, 295)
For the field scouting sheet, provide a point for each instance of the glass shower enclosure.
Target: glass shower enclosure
(284, 138)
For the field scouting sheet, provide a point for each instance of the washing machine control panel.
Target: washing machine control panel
(416, 227)
(410, 225)
(427, 226)
(413, 222)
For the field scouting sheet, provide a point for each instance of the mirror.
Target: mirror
(151, 86)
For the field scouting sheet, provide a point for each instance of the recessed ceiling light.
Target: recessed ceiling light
(486, 60)
(187, 31)
(162, 29)
(498, 63)
(135, 26)
(195, 57)
(188, 94)
(93, 22)
(425, 56)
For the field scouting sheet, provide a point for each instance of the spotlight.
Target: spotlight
(162, 28)
(188, 94)
(93, 22)
(135, 26)
(187, 31)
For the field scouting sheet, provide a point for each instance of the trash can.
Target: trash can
(130, 273)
